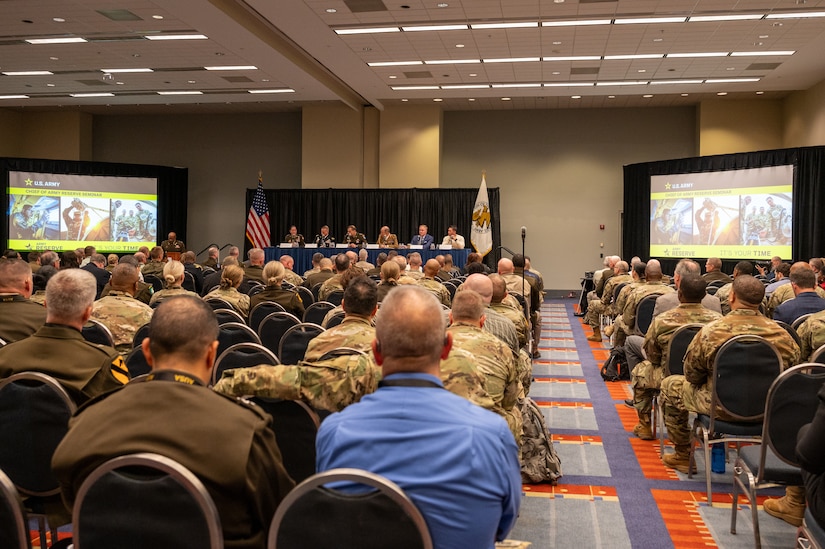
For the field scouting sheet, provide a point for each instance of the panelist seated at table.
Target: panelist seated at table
(386, 239)
(294, 237)
(325, 240)
(353, 238)
(422, 238)
(453, 238)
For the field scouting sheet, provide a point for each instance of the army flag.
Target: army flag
(257, 222)
(482, 232)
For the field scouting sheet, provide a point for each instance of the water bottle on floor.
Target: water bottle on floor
(717, 458)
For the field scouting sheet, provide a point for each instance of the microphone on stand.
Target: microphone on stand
(523, 232)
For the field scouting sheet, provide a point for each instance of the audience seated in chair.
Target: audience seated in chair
(120, 311)
(19, 317)
(273, 275)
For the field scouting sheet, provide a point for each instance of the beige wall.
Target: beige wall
(560, 174)
(732, 126)
(332, 147)
(54, 135)
(223, 154)
(410, 147)
(804, 115)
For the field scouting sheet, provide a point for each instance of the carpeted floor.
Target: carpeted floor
(615, 492)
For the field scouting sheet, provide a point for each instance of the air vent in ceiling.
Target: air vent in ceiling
(584, 70)
(119, 15)
(237, 79)
(762, 66)
(93, 82)
(364, 6)
(418, 74)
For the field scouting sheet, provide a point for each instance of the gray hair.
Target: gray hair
(410, 323)
(686, 266)
(69, 293)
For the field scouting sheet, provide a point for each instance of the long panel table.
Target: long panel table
(303, 256)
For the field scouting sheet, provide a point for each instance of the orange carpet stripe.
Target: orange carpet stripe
(647, 453)
(619, 390)
(576, 439)
(552, 404)
(545, 379)
(628, 416)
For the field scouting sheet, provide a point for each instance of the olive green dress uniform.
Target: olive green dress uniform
(811, 334)
(123, 315)
(692, 391)
(318, 277)
(170, 246)
(389, 241)
(436, 288)
(255, 272)
(228, 444)
(19, 317)
(646, 377)
(294, 239)
(288, 299)
(497, 363)
(84, 369)
(358, 239)
(171, 291)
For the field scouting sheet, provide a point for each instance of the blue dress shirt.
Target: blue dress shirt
(456, 461)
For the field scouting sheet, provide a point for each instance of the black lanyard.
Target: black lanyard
(409, 383)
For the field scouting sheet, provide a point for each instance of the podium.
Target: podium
(173, 255)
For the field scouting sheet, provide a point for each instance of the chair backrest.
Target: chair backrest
(316, 290)
(273, 327)
(242, 355)
(818, 355)
(229, 315)
(207, 270)
(451, 287)
(144, 500)
(140, 334)
(34, 417)
(522, 302)
(189, 282)
(261, 311)
(617, 289)
(711, 290)
(287, 285)
(644, 312)
(157, 283)
(791, 331)
(743, 371)
(294, 343)
(717, 283)
(233, 333)
(335, 297)
(255, 289)
(336, 319)
(316, 312)
(798, 322)
(312, 515)
(792, 402)
(295, 425)
(14, 528)
(218, 303)
(136, 363)
(679, 341)
(95, 331)
(306, 295)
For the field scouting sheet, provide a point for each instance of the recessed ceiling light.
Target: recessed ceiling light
(757, 44)
(730, 17)
(557, 43)
(754, 53)
(759, 93)
(14, 96)
(125, 70)
(50, 85)
(795, 15)
(658, 39)
(233, 68)
(28, 73)
(459, 45)
(558, 1)
(573, 58)
(611, 97)
(473, 74)
(634, 56)
(465, 87)
(58, 20)
(506, 98)
(65, 40)
(684, 94)
(764, 36)
(648, 20)
(53, 58)
(451, 61)
(180, 92)
(264, 79)
(280, 90)
(119, 83)
(575, 97)
(471, 99)
(525, 85)
(575, 23)
(394, 63)
(512, 60)
(158, 17)
(393, 77)
(404, 100)
(331, 10)
(647, 96)
(555, 73)
(191, 82)
(443, 5)
(730, 80)
(721, 93)
(438, 100)
(92, 94)
(408, 88)
(372, 30)
(641, 70)
(423, 28)
(513, 25)
(698, 54)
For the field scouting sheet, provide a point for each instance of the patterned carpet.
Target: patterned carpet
(615, 492)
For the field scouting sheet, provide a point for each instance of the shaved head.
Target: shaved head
(481, 284)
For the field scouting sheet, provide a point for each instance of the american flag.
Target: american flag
(257, 223)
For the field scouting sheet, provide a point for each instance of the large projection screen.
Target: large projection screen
(49, 211)
(732, 214)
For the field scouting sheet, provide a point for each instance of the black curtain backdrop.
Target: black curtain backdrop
(173, 185)
(808, 194)
(402, 210)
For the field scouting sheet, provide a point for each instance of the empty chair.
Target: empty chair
(144, 500)
(316, 312)
(739, 392)
(792, 402)
(14, 527)
(140, 334)
(95, 331)
(336, 319)
(242, 355)
(136, 363)
(157, 283)
(233, 333)
(306, 296)
(261, 311)
(295, 425)
(335, 297)
(313, 516)
(273, 327)
(293, 344)
(31, 402)
(229, 315)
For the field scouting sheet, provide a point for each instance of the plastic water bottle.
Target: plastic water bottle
(717, 458)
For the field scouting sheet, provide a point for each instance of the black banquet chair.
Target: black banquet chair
(295, 341)
(313, 516)
(136, 363)
(335, 297)
(31, 402)
(316, 312)
(231, 333)
(295, 425)
(14, 524)
(95, 331)
(261, 311)
(792, 402)
(242, 355)
(140, 334)
(273, 327)
(144, 500)
(336, 319)
(306, 296)
(674, 364)
(229, 315)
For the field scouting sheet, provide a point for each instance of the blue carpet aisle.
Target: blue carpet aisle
(615, 492)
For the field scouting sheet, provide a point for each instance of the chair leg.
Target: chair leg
(660, 425)
(757, 538)
(41, 529)
(707, 471)
(733, 510)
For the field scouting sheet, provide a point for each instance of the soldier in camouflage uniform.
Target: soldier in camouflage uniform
(692, 392)
(494, 323)
(429, 283)
(231, 278)
(120, 311)
(785, 292)
(356, 331)
(289, 275)
(653, 286)
(342, 265)
(811, 334)
(637, 279)
(513, 314)
(155, 265)
(604, 306)
(646, 377)
(723, 293)
(493, 358)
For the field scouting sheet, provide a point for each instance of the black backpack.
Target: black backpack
(615, 367)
